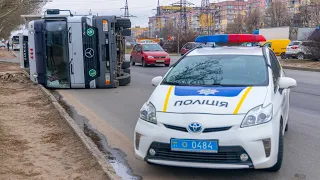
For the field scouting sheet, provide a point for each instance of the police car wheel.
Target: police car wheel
(278, 164)
(287, 126)
(124, 80)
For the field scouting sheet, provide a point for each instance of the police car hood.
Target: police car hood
(217, 100)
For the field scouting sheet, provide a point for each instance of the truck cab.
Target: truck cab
(67, 51)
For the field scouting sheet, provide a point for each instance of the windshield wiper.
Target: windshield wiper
(174, 83)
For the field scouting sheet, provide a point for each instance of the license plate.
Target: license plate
(159, 60)
(208, 146)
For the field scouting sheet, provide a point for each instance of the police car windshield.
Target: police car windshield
(221, 70)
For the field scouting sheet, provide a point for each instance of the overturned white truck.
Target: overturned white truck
(67, 51)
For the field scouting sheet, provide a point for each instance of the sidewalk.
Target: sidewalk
(8, 56)
(35, 142)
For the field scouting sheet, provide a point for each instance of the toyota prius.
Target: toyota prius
(224, 107)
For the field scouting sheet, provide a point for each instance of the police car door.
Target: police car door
(279, 99)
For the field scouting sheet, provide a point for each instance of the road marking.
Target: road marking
(241, 100)
(165, 106)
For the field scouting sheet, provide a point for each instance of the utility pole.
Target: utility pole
(183, 4)
(206, 12)
(126, 11)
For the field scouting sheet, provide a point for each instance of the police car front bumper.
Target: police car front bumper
(260, 143)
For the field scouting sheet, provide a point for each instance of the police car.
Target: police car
(222, 107)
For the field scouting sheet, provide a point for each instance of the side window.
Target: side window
(138, 48)
(276, 69)
(188, 46)
(268, 44)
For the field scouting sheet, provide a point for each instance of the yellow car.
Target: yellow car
(278, 46)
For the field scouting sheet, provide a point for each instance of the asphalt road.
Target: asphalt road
(114, 113)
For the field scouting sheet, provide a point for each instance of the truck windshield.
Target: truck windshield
(219, 70)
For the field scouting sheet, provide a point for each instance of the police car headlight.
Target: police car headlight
(148, 113)
(258, 115)
(150, 57)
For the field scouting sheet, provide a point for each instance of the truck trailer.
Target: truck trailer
(87, 51)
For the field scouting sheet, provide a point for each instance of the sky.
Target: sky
(140, 8)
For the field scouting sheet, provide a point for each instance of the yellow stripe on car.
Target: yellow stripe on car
(241, 100)
(165, 105)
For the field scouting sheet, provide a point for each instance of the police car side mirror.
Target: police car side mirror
(156, 81)
(286, 83)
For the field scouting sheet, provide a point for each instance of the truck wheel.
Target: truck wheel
(124, 80)
(132, 62)
(125, 65)
(123, 22)
(127, 71)
(283, 56)
(300, 56)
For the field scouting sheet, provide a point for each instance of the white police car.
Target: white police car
(223, 107)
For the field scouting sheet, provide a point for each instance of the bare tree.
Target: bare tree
(314, 12)
(277, 15)
(11, 11)
(237, 26)
(252, 20)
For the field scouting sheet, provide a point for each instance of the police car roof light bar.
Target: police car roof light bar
(231, 38)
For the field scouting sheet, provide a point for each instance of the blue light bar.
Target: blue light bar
(222, 38)
(230, 38)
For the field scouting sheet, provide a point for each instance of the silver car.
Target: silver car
(300, 50)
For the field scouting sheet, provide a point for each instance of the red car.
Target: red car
(149, 54)
(187, 47)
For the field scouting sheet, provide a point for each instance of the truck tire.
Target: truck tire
(124, 80)
(125, 65)
(123, 22)
(127, 71)
(283, 56)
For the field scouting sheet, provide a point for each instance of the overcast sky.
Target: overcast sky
(140, 8)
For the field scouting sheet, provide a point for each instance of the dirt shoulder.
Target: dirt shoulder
(35, 142)
(301, 63)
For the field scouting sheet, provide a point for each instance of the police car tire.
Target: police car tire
(277, 166)
(125, 23)
(124, 80)
(125, 65)
(127, 71)
(287, 126)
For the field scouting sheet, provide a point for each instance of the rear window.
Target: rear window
(222, 70)
(294, 43)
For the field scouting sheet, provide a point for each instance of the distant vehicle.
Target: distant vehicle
(2, 45)
(278, 46)
(293, 33)
(302, 50)
(149, 54)
(15, 43)
(187, 47)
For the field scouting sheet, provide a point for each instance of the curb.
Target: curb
(90, 146)
(301, 69)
